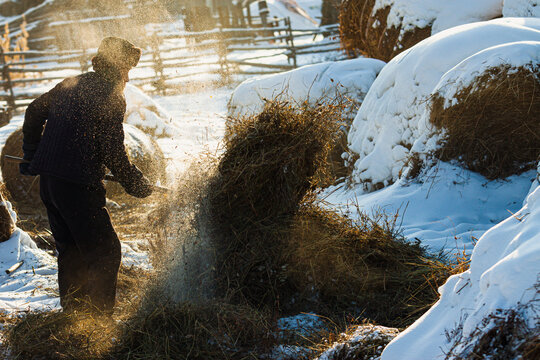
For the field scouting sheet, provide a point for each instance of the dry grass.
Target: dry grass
(493, 128)
(271, 163)
(358, 342)
(501, 335)
(7, 225)
(211, 330)
(364, 34)
(21, 189)
(75, 335)
(362, 266)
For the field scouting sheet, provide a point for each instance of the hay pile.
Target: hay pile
(212, 330)
(271, 162)
(7, 225)
(21, 189)
(362, 265)
(275, 248)
(493, 126)
(364, 34)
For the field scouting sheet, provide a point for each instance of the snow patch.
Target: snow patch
(310, 83)
(441, 15)
(503, 275)
(521, 8)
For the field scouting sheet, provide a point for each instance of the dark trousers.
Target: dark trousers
(89, 251)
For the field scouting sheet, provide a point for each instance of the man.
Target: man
(83, 135)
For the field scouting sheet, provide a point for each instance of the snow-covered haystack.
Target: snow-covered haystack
(393, 121)
(491, 122)
(340, 83)
(311, 84)
(382, 29)
(144, 153)
(21, 188)
(492, 308)
(7, 219)
(362, 342)
(146, 114)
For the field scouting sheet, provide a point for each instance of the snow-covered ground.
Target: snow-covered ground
(504, 274)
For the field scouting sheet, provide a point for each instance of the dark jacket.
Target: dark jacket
(83, 132)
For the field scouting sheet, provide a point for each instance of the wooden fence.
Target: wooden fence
(171, 58)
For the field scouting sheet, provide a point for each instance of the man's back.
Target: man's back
(82, 114)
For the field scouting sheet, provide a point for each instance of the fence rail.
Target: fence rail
(172, 56)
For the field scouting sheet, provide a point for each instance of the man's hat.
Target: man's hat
(119, 52)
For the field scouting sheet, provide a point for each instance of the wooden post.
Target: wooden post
(290, 40)
(83, 61)
(248, 15)
(159, 84)
(7, 78)
(222, 53)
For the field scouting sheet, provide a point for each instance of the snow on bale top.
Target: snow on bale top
(394, 116)
(311, 83)
(146, 114)
(487, 108)
(499, 290)
(383, 28)
(521, 8)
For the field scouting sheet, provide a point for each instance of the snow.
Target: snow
(449, 210)
(32, 286)
(524, 8)
(365, 336)
(503, 275)
(394, 114)
(441, 15)
(301, 324)
(300, 19)
(514, 55)
(144, 113)
(310, 83)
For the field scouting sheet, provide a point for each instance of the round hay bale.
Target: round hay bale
(21, 189)
(383, 29)
(7, 224)
(362, 33)
(491, 125)
(145, 153)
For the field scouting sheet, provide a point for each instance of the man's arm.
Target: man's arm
(34, 120)
(116, 158)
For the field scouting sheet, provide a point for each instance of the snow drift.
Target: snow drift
(503, 275)
(393, 121)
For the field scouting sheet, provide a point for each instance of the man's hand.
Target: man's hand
(141, 188)
(24, 169)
